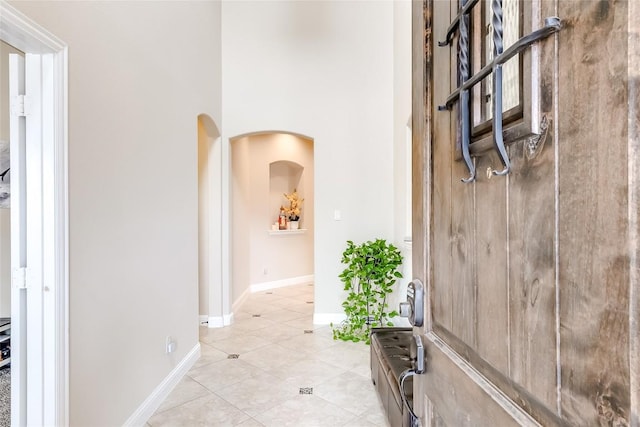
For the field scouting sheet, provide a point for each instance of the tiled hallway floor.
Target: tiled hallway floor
(281, 357)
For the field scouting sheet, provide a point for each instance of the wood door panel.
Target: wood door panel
(532, 284)
(593, 212)
(463, 397)
(484, 371)
(441, 149)
(463, 259)
(491, 260)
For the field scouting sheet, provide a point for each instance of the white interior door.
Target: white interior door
(27, 240)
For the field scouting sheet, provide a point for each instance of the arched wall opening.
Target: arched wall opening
(210, 292)
(264, 166)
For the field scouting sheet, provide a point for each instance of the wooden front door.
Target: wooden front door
(529, 275)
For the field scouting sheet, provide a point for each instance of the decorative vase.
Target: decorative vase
(293, 225)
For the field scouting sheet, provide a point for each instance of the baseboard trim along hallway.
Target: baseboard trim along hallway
(155, 399)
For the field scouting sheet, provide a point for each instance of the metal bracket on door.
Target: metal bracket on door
(19, 278)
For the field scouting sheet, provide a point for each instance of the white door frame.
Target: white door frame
(22, 33)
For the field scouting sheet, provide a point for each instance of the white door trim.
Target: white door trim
(22, 33)
(17, 139)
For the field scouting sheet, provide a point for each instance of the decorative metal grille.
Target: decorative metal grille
(511, 69)
(504, 92)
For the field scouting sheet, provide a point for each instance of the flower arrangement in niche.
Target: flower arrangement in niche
(295, 206)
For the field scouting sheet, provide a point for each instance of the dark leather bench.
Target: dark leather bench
(390, 358)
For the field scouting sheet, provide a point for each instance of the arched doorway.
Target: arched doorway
(264, 166)
(210, 289)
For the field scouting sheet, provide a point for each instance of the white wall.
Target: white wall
(262, 258)
(324, 69)
(139, 75)
(204, 213)
(240, 216)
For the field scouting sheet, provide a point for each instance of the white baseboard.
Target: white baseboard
(155, 399)
(219, 321)
(292, 281)
(227, 319)
(327, 318)
(215, 321)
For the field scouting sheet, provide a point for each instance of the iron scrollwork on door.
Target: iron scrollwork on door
(466, 82)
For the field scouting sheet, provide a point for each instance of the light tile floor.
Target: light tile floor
(280, 351)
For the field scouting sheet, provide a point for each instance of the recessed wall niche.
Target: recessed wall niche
(284, 177)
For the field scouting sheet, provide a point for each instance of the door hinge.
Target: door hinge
(19, 278)
(21, 105)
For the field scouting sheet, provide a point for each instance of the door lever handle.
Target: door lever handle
(420, 368)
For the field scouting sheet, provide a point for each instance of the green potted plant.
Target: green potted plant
(370, 275)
